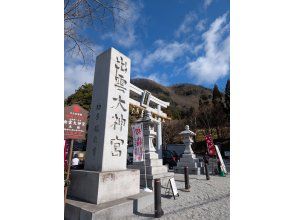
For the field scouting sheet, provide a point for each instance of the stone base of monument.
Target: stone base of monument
(194, 165)
(123, 208)
(100, 187)
(154, 170)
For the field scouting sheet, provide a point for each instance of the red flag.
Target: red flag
(210, 146)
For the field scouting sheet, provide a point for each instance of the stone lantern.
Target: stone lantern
(187, 140)
(149, 124)
(189, 158)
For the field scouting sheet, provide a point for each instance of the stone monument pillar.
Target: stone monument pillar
(105, 177)
(189, 158)
(154, 167)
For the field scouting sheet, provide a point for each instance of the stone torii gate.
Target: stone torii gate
(146, 99)
(153, 167)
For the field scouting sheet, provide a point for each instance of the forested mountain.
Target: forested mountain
(183, 98)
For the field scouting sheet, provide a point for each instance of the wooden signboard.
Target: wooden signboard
(75, 121)
(172, 185)
(75, 124)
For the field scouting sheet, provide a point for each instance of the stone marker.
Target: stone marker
(105, 177)
(189, 158)
(108, 125)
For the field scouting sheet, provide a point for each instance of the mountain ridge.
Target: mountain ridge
(183, 97)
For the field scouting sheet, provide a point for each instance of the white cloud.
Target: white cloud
(207, 3)
(136, 57)
(197, 49)
(76, 73)
(126, 19)
(201, 25)
(161, 78)
(186, 26)
(165, 53)
(215, 63)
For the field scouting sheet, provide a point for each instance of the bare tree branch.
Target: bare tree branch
(88, 14)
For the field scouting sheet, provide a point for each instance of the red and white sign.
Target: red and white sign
(210, 145)
(138, 151)
(75, 122)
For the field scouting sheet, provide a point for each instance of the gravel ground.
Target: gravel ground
(206, 200)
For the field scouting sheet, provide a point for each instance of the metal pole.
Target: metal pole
(186, 172)
(68, 168)
(158, 212)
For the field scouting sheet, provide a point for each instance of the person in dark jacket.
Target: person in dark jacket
(206, 161)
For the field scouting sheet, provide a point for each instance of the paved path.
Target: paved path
(209, 200)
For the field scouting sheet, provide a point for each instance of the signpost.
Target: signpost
(75, 121)
(172, 185)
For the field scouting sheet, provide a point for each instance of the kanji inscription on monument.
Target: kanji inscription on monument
(108, 126)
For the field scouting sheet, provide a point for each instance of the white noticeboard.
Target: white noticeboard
(138, 151)
(174, 187)
(223, 167)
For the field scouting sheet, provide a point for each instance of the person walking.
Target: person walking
(75, 162)
(206, 162)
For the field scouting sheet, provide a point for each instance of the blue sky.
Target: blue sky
(176, 41)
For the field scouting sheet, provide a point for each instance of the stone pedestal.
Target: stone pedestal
(125, 208)
(154, 167)
(189, 158)
(100, 187)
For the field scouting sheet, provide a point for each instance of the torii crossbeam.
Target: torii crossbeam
(146, 98)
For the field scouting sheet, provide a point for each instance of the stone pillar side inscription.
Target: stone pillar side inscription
(108, 127)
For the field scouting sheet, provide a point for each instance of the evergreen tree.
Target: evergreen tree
(227, 96)
(216, 94)
(82, 96)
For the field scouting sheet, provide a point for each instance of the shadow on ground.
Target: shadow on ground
(144, 214)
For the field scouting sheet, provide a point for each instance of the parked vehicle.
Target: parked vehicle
(169, 158)
(176, 156)
(129, 158)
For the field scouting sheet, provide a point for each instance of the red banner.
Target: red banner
(138, 151)
(66, 151)
(210, 145)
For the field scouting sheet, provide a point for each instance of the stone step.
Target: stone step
(151, 162)
(164, 178)
(118, 209)
(150, 169)
(190, 165)
(154, 170)
(197, 170)
(196, 160)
